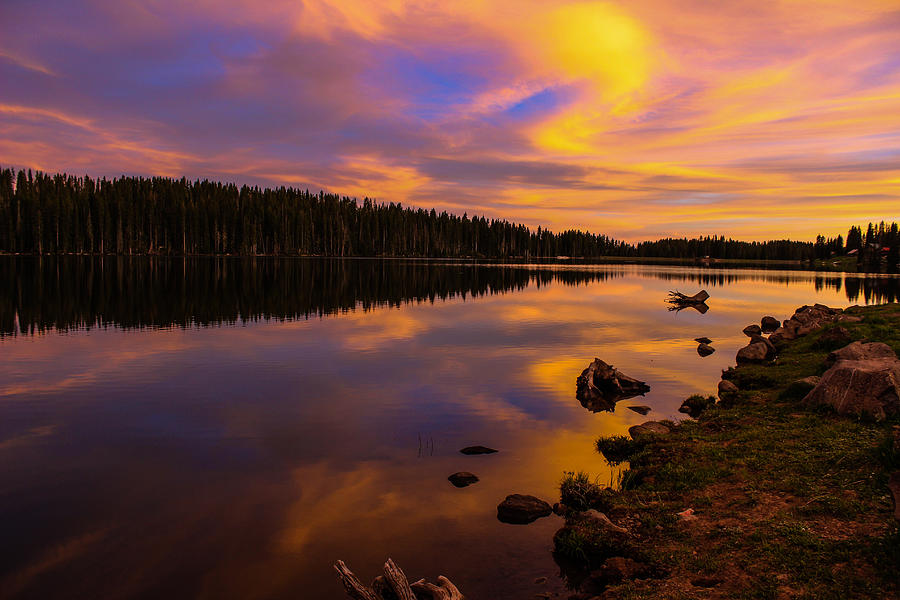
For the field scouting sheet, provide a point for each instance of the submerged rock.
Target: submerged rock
(601, 385)
(648, 428)
(478, 450)
(519, 509)
(462, 479)
(863, 380)
(705, 349)
(641, 410)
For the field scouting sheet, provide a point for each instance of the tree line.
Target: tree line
(42, 213)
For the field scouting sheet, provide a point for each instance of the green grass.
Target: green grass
(617, 449)
(579, 493)
(790, 497)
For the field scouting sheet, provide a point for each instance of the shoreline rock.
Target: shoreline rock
(864, 379)
(519, 509)
(648, 428)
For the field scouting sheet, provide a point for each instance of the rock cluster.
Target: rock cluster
(804, 321)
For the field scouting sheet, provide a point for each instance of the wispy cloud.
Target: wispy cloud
(634, 119)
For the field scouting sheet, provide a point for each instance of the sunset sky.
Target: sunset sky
(636, 119)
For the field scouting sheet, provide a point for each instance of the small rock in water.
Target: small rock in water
(705, 349)
(770, 324)
(462, 479)
(519, 509)
(703, 340)
(478, 450)
(540, 580)
(641, 410)
(752, 330)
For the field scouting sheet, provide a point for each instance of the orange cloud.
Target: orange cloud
(633, 119)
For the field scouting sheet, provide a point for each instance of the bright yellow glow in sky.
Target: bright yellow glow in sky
(635, 119)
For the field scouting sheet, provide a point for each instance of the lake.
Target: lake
(228, 428)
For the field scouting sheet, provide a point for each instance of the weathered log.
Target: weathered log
(601, 385)
(393, 585)
(397, 581)
(355, 588)
(443, 591)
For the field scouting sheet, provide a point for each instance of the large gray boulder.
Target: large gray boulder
(864, 379)
(861, 351)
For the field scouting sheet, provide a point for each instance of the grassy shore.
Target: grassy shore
(782, 500)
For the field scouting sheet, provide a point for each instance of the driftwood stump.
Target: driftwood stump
(393, 585)
(679, 301)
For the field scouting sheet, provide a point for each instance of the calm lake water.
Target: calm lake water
(229, 428)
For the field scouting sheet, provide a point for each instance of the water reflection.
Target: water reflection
(77, 293)
(142, 455)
